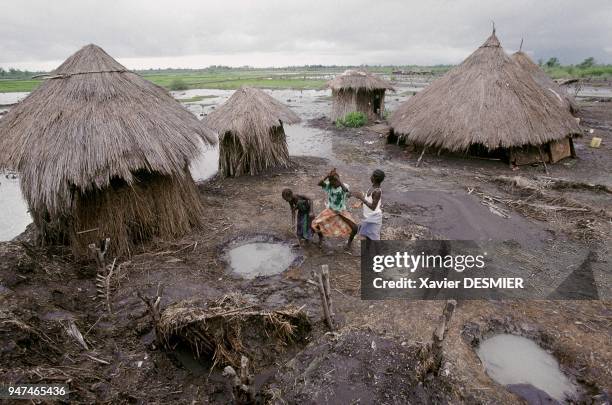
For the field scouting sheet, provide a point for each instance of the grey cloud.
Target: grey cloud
(273, 32)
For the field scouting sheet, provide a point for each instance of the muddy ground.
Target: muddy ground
(373, 356)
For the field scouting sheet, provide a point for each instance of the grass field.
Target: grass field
(227, 79)
(300, 78)
(603, 71)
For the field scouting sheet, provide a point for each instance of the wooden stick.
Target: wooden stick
(440, 331)
(326, 284)
(421, 157)
(326, 314)
(542, 159)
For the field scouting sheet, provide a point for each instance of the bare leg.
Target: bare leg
(353, 231)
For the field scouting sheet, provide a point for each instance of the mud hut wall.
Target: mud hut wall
(350, 100)
(154, 205)
(243, 155)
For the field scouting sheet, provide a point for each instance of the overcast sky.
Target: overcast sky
(39, 34)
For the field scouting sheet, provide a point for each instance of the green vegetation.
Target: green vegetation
(586, 68)
(194, 99)
(353, 119)
(298, 78)
(178, 84)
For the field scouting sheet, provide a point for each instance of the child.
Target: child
(335, 220)
(302, 206)
(372, 212)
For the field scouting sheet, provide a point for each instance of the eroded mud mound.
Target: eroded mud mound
(359, 367)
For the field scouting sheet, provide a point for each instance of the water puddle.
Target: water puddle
(206, 165)
(14, 216)
(260, 259)
(308, 141)
(519, 363)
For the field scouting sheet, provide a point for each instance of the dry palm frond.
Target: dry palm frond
(487, 100)
(229, 328)
(563, 98)
(250, 127)
(90, 126)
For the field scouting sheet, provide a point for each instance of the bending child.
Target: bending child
(301, 207)
(335, 220)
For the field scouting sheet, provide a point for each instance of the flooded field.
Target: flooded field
(511, 360)
(14, 216)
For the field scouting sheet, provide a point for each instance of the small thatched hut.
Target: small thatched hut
(563, 98)
(487, 105)
(357, 90)
(103, 153)
(251, 134)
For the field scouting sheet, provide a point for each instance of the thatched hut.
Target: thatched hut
(565, 100)
(487, 105)
(251, 133)
(103, 153)
(358, 90)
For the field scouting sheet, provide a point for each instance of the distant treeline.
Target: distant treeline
(587, 68)
(16, 74)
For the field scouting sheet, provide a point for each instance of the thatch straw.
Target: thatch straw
(226, 329)
(488, 100)
(358, 80)
(250, 127)
(92, 125)
(358, 90)
(563, 98)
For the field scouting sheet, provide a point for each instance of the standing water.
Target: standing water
(14, 215)
(260, 259)
(511, 360)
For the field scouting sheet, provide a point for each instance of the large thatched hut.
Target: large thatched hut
(103, 153)
(358, 90)
(565, 100)
(251, 133)
(487, 105)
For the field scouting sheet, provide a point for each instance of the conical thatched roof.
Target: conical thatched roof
(565, 100)
(250, 127)
(488, 99)
(358, 80)
(250, 113)
(90, 121)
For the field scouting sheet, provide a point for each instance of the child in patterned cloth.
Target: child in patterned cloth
(335, 221)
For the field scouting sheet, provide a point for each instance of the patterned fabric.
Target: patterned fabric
(304, 223)
(331, 224)
(336, 197)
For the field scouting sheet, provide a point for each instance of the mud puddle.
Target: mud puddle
(260, 259)
(524, 367)
(14, 216)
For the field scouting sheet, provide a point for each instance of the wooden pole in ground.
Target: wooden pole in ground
(443, 321)
(326, 285)
(320, 286)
